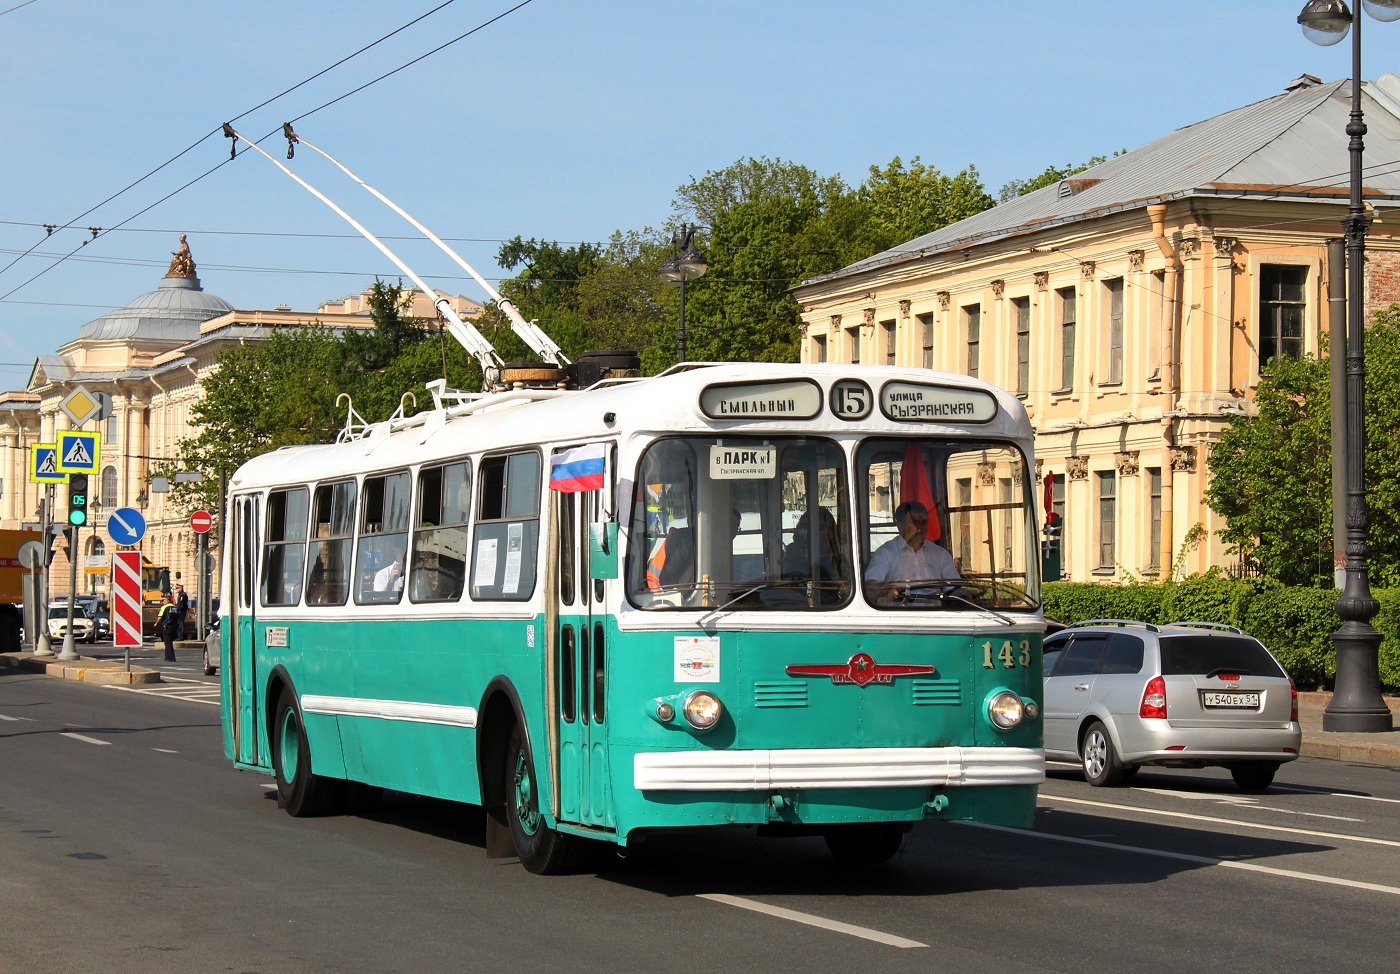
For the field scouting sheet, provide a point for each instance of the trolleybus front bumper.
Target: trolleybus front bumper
(825, 768)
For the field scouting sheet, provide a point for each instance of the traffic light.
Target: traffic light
(77, 499)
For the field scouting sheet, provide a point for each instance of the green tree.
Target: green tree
(1282, 523)
(1271, 474)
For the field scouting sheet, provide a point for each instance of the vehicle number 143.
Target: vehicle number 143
(1010, 656)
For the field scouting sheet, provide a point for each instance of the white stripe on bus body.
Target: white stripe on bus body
(422, 713)
(846, 767)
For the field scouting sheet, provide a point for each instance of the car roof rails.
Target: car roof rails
(1114, 622)
(1209, 625)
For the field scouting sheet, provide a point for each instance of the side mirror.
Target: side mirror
(602, 550)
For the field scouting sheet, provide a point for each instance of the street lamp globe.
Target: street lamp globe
(1385, 11)
(1325, 22)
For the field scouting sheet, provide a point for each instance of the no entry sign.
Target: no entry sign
(201, 521)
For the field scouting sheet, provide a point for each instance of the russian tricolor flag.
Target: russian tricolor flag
(579, 469)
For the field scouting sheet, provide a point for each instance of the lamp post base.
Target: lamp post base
(1357, 705)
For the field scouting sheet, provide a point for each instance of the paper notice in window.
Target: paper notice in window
(485, 575)
(515, 543)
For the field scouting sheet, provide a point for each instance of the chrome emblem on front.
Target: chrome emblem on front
(861, 670)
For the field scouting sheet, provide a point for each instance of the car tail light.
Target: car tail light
(1293, 716)
(1154, 699)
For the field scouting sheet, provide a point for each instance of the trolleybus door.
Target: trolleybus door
(581, 718)
(241, 676)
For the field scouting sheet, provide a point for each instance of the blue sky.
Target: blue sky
(565, 120)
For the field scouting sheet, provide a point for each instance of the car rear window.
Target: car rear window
(1208, 655)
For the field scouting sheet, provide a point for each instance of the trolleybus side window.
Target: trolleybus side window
(382, 559)
(284, 546)
(332, 532)
(439, 569)
(505, 539)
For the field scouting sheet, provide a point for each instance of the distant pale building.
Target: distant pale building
(152, 357)
(416, 303)
(1132, 307)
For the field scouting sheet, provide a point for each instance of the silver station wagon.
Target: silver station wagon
(1120, 695)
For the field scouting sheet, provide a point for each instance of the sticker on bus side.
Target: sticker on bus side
(275, 636)
(697, 659)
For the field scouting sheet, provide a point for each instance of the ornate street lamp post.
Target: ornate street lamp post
(685, 264)
(1356, 704)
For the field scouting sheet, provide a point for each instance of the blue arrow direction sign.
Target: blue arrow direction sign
(126, 525)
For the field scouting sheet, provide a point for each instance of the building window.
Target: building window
(1069, 309)
(1115, 330)
(972, 314)
(963, 524)
(1108, 520)
(110, 435)
(109, 487)
(1057, 504)
(926, 333)
(1154, 519)
(888, 328)
(1023, 345)
(1281, 304)
(855, 345)
(819, 348)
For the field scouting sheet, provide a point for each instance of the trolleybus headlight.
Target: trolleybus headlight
(702, 710)
(1006, 710)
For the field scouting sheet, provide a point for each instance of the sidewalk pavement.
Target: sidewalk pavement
(1380, 749)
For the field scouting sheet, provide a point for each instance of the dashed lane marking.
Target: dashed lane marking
(1214, 820)
(82, 737)
(811, 920)
(1186, 857)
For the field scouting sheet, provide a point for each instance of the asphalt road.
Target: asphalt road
(127, 843)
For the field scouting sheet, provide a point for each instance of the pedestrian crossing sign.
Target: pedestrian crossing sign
(43, 465)
(78, 452)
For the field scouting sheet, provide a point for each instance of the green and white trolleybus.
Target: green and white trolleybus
(799, 598)
(648, 604)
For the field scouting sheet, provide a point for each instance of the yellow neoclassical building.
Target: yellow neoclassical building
(152, 357)
(1132, 305)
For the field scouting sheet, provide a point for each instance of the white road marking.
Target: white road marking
(1198, 860)
(1341, 837)
(191, 690)
(811, 920)
(1242, 800)
(1335, 794)
(8, 717)
(80, 737)
(164, 750)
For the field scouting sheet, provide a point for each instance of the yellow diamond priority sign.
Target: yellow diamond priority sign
(80, 406)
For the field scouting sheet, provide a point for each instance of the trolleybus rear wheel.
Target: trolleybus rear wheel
(866, 843)
(299, 791)
(539, 848)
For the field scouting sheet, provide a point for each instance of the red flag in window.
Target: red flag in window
(1049, 493)
(913, 486)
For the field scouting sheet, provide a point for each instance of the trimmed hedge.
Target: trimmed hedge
(1295, 623)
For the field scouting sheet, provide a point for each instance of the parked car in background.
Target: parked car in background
(83, 628)
(1120, 695)
(98, 611)
(212, 649)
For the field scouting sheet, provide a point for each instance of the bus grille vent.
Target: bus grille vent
(937, 693)
(780, 694)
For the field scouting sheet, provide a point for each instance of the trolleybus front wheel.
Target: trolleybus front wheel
(299, 791)
(864, 844)
(539, 848)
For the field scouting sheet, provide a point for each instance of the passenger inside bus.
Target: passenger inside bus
(672, 564)
(814, 555)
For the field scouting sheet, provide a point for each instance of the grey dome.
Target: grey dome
(172, 312)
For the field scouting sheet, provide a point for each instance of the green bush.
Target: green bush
(1295, 623)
